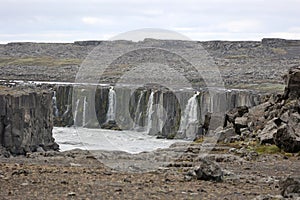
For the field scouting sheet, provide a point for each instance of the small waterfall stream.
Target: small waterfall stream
(138, 112)
(111, 113)
(76, 112)
(55, 104)
(84, 113)
(190, 115)
(150, 111)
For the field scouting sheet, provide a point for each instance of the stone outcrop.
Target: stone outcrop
(208, 171)
(277, 121)
(26, 120)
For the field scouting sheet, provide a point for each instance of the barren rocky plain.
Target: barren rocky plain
(242, 166)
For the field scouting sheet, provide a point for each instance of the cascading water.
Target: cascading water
(55, 104)
(160, 113)
(150, 111)
(111, 113)
(76, 112)
(84, 112)
(138, 113)
(190, 115)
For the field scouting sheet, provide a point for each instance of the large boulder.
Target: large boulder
(208, 171)
(266, 136)
(290, 187)
(287, 136)
(26, 120)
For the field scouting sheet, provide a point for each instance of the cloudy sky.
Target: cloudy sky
(71, 20)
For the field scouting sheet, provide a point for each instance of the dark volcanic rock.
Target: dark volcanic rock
(26, 120)
(111, 125)
(208, 171)
(287, 138)
(276, 120)
(292, 80)
(290, 187)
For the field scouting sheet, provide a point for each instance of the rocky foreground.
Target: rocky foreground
(226, 173)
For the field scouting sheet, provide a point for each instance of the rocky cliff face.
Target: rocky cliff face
(276, 121)
(167, 114)
(26, 120)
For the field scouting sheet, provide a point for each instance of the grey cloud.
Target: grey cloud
(19, 18)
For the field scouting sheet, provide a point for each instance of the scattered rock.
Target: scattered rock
(269, 197)
(111, 125)
(209, 171)
(71, 194)
(267, 134)
(225, 134)
(290, 187)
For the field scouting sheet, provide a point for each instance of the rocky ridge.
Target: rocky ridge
(275, 121)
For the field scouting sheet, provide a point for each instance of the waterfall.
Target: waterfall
(160, 113)
(190, 114)
(150, 111)
(111, 113)
(138, 112)
(84, 112)
(55, 104)
(76, 112)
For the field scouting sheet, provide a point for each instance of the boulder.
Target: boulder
(208, 171)
(266, 136)
(240, 122)
(231, 115)
(290, 187)
(287, 137)
(111, 125)
(225, 134)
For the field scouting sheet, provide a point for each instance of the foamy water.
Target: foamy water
(102, 139)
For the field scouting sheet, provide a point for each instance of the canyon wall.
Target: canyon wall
(26, 120)
(159, 111)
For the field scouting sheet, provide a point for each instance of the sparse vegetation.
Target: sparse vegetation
(243, 56)
(279, 51)
(264, 87)
(267, 149)
(39, 61)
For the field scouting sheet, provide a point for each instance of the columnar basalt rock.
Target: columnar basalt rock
(26, 120)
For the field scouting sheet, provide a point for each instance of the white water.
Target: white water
(111, 113)
(55, 104)
(138, 113)
(76, 112)
(190, 113)
(161, 113)
(150, 111)
(84, 114)
(101, 139)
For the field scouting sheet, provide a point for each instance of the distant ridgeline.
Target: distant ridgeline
(242, 64)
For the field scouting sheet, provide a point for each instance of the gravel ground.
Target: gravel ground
(77, 174)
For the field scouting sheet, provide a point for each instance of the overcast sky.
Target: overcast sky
(72, 20)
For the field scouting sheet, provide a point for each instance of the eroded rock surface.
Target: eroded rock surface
(26, 120)
(277, 121)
